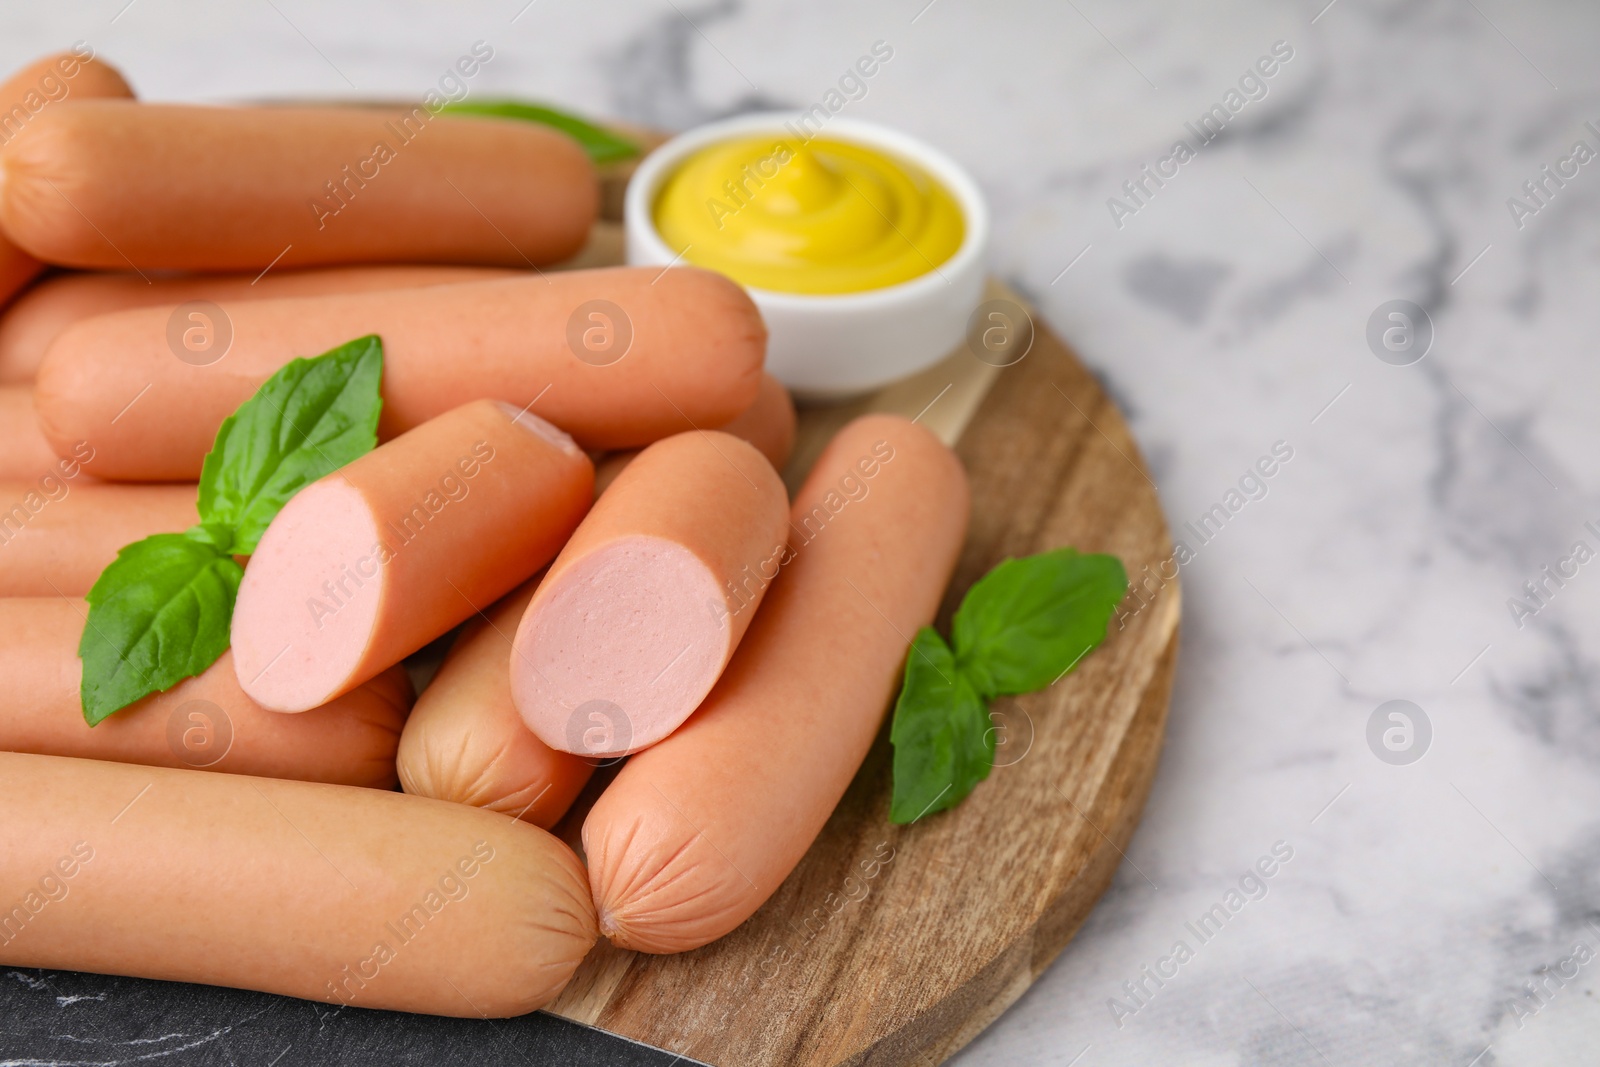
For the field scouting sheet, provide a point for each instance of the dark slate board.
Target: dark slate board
(75, 1020)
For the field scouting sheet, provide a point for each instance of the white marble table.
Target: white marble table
(1228, 313)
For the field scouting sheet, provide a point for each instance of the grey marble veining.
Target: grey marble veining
(56, 1019)
(1227, 313)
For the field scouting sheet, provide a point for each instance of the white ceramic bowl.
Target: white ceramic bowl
(836, 345)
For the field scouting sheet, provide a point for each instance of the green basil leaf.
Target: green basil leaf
(602, 145)
(1029, 621)
(161, 612)
(218, 535)
(157, 615)
(942, 736)
(307, 420)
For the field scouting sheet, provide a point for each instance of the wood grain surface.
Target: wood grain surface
(897, 945)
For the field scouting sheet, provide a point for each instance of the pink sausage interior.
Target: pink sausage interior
(312, 610)
(622, 650)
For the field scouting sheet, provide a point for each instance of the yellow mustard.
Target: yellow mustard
(820, 216)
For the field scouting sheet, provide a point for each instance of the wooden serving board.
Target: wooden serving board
(896, 945)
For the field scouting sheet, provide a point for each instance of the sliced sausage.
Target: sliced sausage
(465, 742)
(694, 834)
(202, 722)
(32, 90)
(38, 315)
(347, 896)
(769, 424)
(645, 605)
(57, 534)
(686, 348)
(180, 187)
(372, 562)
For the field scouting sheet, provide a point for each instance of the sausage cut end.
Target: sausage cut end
(310, 599)
(622, 649)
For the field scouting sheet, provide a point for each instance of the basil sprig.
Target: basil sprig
(601, 144)
(1020, 627)
(161, 612)
(312, 417)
